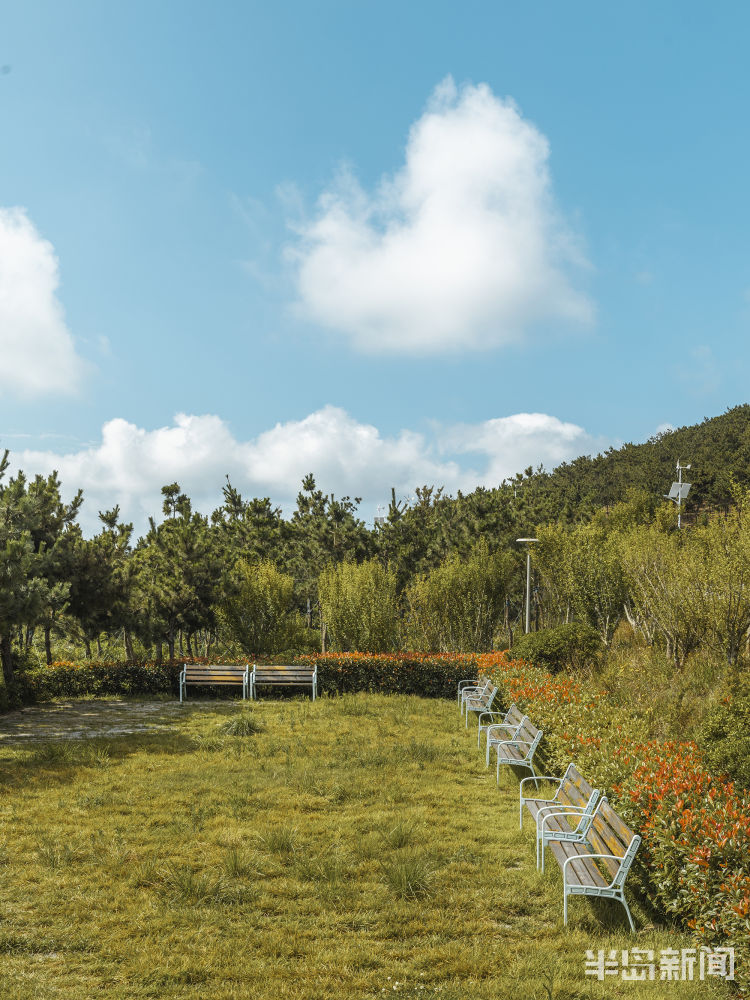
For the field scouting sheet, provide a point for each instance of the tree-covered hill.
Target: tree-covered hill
(718, 450)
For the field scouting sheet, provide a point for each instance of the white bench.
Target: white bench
(519, 750)
(481, 702)
(284, 676)
(202, 674)
(597, 863)
(471, 687)
(504, 729)
(567, 815)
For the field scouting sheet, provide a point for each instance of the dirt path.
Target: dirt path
(87, 720)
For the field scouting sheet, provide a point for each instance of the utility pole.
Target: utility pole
(528, 542)
(679, 491)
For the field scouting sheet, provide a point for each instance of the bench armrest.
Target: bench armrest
(501, 725)
(492, 715)
(549, 814)
(543, 777)
(580, 857)
(555, 808)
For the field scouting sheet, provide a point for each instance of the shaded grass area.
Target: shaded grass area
(350, 847)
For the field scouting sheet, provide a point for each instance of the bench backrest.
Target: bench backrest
(214, 673)
(574, 789)
(514, 716)
(609, 834)
(488, 697)
(531, 736)
(280, 674)
(483, 685)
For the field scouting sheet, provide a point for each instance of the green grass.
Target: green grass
(353, 847)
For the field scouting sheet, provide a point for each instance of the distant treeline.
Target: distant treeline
(440, 573)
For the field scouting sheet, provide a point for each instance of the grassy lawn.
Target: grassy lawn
(351, 848)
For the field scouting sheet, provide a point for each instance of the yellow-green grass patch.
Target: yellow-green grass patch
(349, 847)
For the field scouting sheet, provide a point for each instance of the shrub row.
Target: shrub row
(428, 674)
(431, 675)
(695, 858)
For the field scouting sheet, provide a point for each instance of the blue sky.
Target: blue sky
(388, 243)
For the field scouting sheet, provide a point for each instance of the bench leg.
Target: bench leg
(565, 906)
(627, 910)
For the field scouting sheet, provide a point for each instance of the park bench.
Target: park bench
(284, 676)
(201, 673)
(504, 728)
(481, 702)
(471, 687)
(597, 864)
(567, 815)
(519, 750)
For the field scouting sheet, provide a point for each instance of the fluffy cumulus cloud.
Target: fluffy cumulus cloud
(463, 248)
(38, 354)
(130, 464)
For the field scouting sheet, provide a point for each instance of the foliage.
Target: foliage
(724, 738)
(574, 645)
(429, 675)
(695, 857)
(359, 606)
(459, 605)
(257, 609)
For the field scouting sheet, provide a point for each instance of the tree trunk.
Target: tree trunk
(159, 656)
(128, 639)
(170, 644)
(189, 646)
(87, 644)
(6, 655)
(181, 649)
(48, 643)
(99, 647)
(29, 636)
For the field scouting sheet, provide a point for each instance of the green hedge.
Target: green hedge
(429, 675)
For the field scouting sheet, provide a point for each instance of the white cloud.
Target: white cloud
(37, 350)
(130, 464)
(512, 443)
(462, 249)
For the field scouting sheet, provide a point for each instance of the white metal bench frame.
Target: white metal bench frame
(527, 760)
(311, 681)
(481, 703)
(239, 674)
(471, 689)
(586, 862)
(554, 801)
(509, 727)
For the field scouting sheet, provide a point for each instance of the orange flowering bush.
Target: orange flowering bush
(694, 861)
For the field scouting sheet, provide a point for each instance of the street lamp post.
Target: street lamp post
(528, 542)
